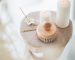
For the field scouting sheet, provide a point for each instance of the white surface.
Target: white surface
(73, 9)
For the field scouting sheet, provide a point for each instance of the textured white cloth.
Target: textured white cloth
(17, 16)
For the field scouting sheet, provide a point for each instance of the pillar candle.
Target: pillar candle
(44, 16)
(63, 13)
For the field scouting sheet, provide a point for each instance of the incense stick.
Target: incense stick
(28, 30)
(22, 12)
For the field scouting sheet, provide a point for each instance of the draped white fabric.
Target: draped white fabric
(12, 46)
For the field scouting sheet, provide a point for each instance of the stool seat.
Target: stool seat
(30, 37)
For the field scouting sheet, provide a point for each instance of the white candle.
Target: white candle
(44, 16)
(63, 13)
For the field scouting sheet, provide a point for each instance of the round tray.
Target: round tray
(30, 37)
